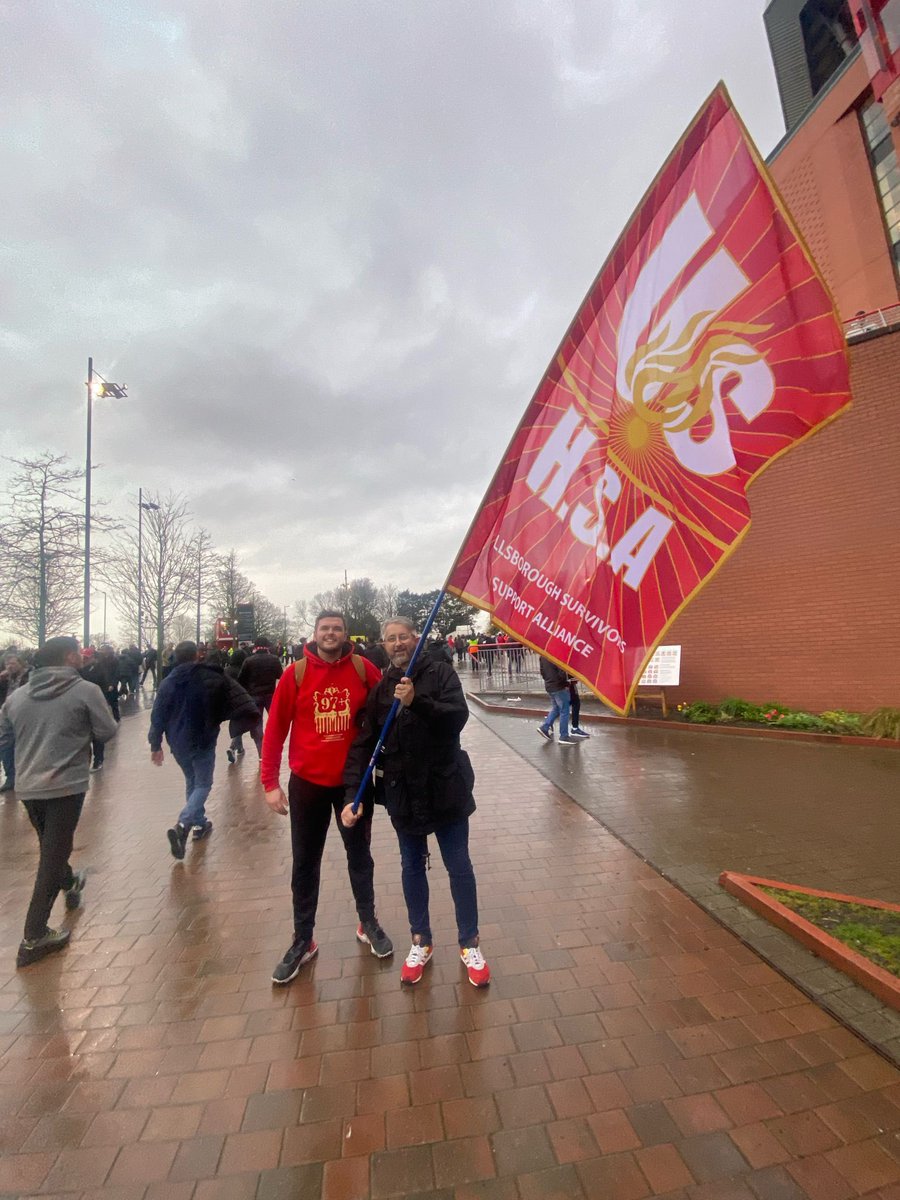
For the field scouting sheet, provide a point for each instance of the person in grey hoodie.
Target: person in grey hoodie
(51, 722)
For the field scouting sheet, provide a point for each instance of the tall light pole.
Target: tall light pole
(202, 543)
(143, 506)
(199, 582)
(103, 594)
(101, 388)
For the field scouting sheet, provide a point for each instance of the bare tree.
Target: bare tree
(386, 602)
(270, 619)
(183, 627)
(41, 549)
(306, 611)
(169, 561)
(207, 565)
(228, 588)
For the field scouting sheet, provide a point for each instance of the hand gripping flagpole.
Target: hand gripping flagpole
(392, 712)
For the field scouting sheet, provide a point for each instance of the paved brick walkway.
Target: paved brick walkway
(628, 1047)
(694, 804)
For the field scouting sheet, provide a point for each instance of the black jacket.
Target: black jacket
(192, 701)
(260, 673)
(427, 778)
(377, 655)
(554, 677)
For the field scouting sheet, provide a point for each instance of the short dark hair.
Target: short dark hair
(331, 612)
(55, 651)
(262, 642)
(185, 652)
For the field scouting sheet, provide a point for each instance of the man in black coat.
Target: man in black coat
(259, 674)
(192, 702)
(424, 779)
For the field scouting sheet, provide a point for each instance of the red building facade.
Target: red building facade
(805, 613)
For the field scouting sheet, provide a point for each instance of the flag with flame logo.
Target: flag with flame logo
(707, 346)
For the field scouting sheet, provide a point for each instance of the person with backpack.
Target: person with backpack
(317, 701)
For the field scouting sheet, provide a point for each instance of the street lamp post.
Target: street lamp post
(143, 506)
(103, 594)
(102, 388)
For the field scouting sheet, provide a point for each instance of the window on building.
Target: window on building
(828, 38)
(885, 168)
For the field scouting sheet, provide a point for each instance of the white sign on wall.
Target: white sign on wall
(663, 669)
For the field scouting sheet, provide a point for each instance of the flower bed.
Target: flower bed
(882, 723)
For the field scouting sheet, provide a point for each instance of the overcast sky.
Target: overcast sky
(329, 246)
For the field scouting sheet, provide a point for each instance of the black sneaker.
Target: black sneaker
(31, 950)
(177, 840)
(372, 935)
(567, 742)
(578, 733)
(73, 894)
(289, 967)
(545, 733)
(202, 831)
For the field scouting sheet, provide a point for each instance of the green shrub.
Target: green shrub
(700, 713)
(801, 720)
(735, 709)
(883, 723)
(839, 721)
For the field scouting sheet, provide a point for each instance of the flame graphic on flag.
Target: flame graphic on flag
(674, 385)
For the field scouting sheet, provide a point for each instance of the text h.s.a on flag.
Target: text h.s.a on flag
(707, 346)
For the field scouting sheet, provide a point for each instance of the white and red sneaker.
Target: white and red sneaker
(473, 961)
(416, 961)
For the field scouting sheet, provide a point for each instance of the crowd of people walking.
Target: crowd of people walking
(327, 697)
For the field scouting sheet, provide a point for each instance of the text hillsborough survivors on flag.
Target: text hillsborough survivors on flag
(707, 346)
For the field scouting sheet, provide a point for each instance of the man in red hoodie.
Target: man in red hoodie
(317, 701)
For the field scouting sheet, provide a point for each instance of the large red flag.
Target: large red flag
(707, 346)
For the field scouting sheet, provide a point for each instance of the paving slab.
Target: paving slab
(630, 1045)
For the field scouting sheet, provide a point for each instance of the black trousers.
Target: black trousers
(55, 822)
(264, 704)
(311, 806)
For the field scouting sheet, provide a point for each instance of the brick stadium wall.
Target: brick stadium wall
(806, 611)
(824, 175)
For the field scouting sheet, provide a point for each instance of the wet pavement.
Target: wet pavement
(695, 804)
(629, 1046)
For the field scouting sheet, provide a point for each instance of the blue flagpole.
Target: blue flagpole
(392, 712)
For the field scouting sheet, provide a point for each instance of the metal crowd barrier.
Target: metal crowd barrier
(500, 668)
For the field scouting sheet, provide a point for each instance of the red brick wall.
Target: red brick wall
(807, 611)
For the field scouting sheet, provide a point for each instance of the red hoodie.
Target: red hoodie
(321, 718)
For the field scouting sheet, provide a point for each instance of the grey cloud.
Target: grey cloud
(330, 246)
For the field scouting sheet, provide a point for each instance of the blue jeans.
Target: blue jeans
(453, 841)
(559, 707)
(197, 766)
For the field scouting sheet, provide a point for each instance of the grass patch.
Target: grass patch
(872, 932)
